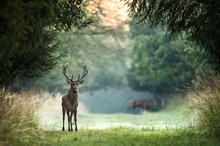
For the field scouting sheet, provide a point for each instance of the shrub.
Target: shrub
(18, 123)
(204, 98)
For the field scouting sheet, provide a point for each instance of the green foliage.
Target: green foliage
(198, 19)
(162, 62)
(103, 53)
(205, 101)
(28, 35)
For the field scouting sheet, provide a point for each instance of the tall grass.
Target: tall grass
(17, 116)
(205, 100)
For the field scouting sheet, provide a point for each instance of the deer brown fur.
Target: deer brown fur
(70, 100)
(142, 103)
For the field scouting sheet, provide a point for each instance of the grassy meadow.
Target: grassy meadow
(36, 119)
(102, 110)
(130, 137)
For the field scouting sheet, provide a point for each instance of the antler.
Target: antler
(85, 72)
(64, 72)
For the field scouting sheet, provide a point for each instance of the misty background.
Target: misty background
(126, 61)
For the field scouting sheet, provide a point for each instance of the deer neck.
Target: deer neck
(73, 95)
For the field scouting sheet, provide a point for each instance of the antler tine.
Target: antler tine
(78, 77)
(64, 71)
(85, 72)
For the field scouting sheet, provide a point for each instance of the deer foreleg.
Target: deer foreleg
(69, 122)
(75, 120)
(63, 110)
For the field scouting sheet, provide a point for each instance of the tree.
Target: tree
(102, 53)
(160, 62)
(28, 35)
(198, 19)
(101, 46)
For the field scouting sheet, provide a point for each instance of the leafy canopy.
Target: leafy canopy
(160, 62)
(198, 19)
(28, 34)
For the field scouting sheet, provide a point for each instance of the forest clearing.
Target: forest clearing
(176, 114)
(174, 125)
(97, 72)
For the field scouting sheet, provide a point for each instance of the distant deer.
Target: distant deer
(145, 104)
(70, 100)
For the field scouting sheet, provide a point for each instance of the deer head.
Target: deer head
(75, 83)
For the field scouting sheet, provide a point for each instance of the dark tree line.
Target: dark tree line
(198, 19)
(28, 31)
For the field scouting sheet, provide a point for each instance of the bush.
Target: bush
(17, 116)
(204, 98)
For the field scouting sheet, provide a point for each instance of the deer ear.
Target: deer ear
(80, 82)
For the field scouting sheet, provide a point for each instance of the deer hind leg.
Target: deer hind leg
(75, 120)
(63, 110)
(144, 108)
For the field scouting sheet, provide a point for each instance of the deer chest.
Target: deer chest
(72, 106)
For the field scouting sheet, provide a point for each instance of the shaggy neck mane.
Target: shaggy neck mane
(72, 95)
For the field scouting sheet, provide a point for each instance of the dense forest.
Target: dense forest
(123, 54)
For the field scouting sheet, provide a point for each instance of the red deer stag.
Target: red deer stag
(145, 104)
(70, 100)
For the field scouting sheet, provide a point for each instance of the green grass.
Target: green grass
(129, 137)
(19, 127)
(127, 129)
